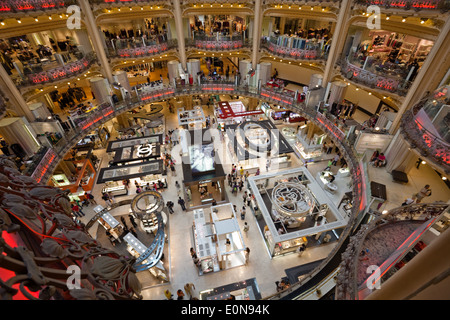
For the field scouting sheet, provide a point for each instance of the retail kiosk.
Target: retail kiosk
(133, 150)
(295, 210)
(191, 119)
(253, 142)
(203, 174)
(218, 240)
(111, 225)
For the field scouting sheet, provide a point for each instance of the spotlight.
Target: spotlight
(404, 19)
(423, 162)
(444, 178)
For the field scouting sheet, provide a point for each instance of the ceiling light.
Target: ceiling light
(424, 162)
(18, 21)
(36, 19)
(2, 23)
(387, 17)
(49, 18)
(404, 19)
(444, 178)
(384, 212)
(370, 93)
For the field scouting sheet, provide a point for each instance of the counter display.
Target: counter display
(116, 188)
(112, 226)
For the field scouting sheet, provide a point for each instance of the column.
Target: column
(180, 33)
(101, 89)
(433, 69)
(256, 33)
(338, 39)
(337, 92)
(96, 39)
(282, 23)
(15, 97)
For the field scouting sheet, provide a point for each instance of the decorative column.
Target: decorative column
(96, 39)
(433, 69)
(338, 39)
(256, 33)
(15, 97)
(180, 33)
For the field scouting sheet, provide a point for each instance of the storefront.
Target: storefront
(252, 143)
(218, 242)
(294, 211)
(149, 172)
(191, 119)
(81, 167)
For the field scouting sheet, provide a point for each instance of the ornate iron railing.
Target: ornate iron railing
(428, 144)
(375, 81)
(311, 52)
(218, 42)
(26, 6)
(140, 47)
(348, 282)
(417, 5)
(65, 72)
(46, 254)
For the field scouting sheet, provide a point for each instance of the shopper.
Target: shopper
(301, 249)
(181, 202)
(170, 206)
(247, 255)
(249, 200)
(246, 228)
(133, 232)
(111, 198)
(133, 222)
(380, 161)
(424, 192)
(189, 289)
(77, 211)
(192, 251)
(243, 213)
(241, 172)
(90, 198)
(180, 294)
(335, 160)
(168, 294)
(257, 172)
(407, 202)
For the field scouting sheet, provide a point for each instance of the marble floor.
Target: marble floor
(181, 269)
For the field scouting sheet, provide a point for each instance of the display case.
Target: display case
(111, 225)
(204, 246)
(77, 196)
(289, 246)
(117, 188)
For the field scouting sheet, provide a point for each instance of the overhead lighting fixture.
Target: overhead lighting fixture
(18, 21)
(424, 162)
(49, 18)
(404, 19)
(387, 17)
(2, 23)
(384, 212)
(422, 21)
(444, 178)
(36, 19)
(370, 93)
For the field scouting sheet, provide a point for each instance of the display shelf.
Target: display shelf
(116, 188)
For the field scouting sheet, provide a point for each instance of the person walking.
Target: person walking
(301, 249)
(168, 294)
(243, 213)
(133, 222)
(424, 192)
(181, 202)
(170, 207)
(77, 211)
(189, 289)
(90, 198)
(241, 172)
(246, 228)
(247, 255)
(180, 294)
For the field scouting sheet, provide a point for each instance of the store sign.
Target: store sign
(228, 112)
(144, 150)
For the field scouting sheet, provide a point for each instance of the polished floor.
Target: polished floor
(178, 263)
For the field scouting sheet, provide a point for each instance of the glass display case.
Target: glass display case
(289, 246)
(117, 188)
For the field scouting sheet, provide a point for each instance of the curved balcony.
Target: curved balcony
(219, 42)
(309, 50)
(374, 79)
(423, 134)
(29, 6)
(416, 5)
(35, 75)
(403, 227)
(139, 48)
